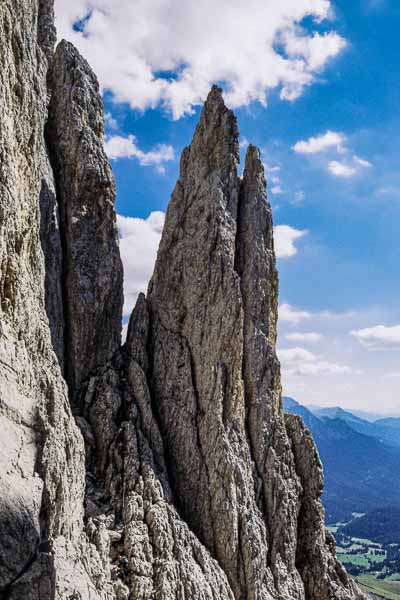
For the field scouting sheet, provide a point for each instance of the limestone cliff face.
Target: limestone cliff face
(42, 461)
(182, 461)
(91, 264)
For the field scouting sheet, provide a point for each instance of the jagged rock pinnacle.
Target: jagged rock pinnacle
(92, 269)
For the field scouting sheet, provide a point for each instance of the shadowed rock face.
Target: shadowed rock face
(42, 464)
(92, 269)
(184, 465)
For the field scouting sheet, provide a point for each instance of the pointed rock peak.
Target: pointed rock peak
(215, 99)
(92, 270)
(254, 168)
(47, 35)
(138, 332)
(215, 143)
(253, 157)
(70, 70)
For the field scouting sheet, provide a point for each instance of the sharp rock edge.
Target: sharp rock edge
(182, 478)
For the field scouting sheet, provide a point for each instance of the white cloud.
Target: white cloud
(365, 164)
(293, 315)
(124, 332)
(346, 169)
(110, 122)
(290, 314)
(285, 238)
(340, 169)
(317, 49)
(379, 337)
(125, 147)
(138, 244)
(307, 337)
(333, 140)
(276, 189)
(389, 189)
(150, 53)
(320, 143)
(298, 197)
(298, 361)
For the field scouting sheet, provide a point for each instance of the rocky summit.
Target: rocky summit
(163, 468)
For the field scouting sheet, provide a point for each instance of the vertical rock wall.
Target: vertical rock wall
(42, 458)
(92, 269)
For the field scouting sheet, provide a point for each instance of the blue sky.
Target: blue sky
(337, 193)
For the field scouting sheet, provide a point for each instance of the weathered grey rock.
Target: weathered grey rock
(196, 341)
(215, 378)
(47, 35)
(92, 269)
(322, 574)
(275, 476)
(41, 458)
(50, 240)
(165, 559)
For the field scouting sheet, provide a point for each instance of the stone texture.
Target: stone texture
(50, 239)
(215, 378)
(275, 476)
(42, 454)
(323, 576)
(129, 482)
(92, 268)
(196, 342)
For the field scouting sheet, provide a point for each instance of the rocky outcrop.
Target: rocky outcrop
(129, 481)
(92, 269)
(42, 453)
(183, 479)
(196, 349)
(215, 379)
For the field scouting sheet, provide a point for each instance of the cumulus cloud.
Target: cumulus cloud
(285, 238)
(379, 337)
(290, 314)
(298, 361)
(348, 169)
(341, 169)
(306, 337)
(320, 143)
(138, 244)
(333, 141)
(118, 146)
(150, 53)
(316, 49)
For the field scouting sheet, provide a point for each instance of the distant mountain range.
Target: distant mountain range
(365, 415)
(361, 459)
(386, 430)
